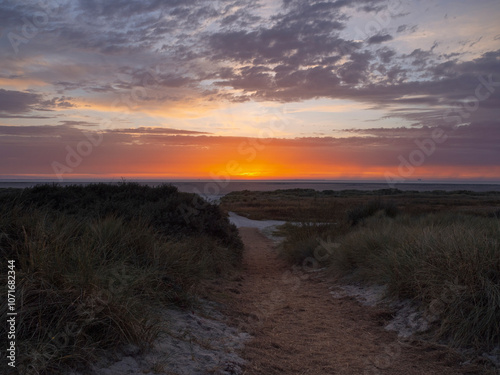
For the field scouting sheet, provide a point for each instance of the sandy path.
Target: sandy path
(298, 328)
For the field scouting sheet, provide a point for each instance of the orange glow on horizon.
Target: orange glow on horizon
(356, 173)
(153, 156)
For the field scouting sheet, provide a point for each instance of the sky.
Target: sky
(393, 90)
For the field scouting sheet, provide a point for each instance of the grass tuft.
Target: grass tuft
(450, 263)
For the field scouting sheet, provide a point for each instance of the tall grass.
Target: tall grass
(332, 206)
(302, 241)
(450, 263)
(92, 276)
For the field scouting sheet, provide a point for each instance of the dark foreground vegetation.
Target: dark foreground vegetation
(95, 265)
(441, 250)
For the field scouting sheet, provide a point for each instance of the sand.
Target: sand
(298, 328)
(282, 320)
(194, 343)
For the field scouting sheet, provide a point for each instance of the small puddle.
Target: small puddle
(241, 221)
(266, 227)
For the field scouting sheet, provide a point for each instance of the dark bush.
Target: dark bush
(359, 213)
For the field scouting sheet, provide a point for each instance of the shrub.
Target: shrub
(95, 264)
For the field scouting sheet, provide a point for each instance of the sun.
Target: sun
(249, 174)
(251, 171)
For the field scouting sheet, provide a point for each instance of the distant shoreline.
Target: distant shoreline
(218, 188)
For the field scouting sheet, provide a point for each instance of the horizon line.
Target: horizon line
(12, 179)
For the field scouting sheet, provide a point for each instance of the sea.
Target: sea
(215, 188)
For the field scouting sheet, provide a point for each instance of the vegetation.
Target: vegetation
(95, 264)
(308, 205)
(450, 263)
(441, 249)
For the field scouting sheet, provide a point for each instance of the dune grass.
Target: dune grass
(95, 264)
(439, 248)
(450, 263)
(331, 206)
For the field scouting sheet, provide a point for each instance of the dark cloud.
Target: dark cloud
(293, 37)
(17, 102)
(26, 117)
(420, 58)
(354, 71)
(386, 54)
(129, 8)
(53, 132)
(410, 29)
(156, 131)
(291, 44)
(57, 102)
(373, 8)
(69, 131)
(380, 38)
(239, 14)
(111, 27)
(402, 28)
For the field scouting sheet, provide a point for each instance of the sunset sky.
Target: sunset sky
(272, 89)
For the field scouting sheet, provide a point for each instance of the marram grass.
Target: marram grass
(448, 262)
(91, 275)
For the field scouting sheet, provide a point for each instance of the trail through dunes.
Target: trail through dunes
(298, 328)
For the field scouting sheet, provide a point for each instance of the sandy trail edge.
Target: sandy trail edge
(298, 328)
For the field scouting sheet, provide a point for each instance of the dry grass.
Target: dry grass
(442, 249)
(91, 275)
(332, 206)
(298, 328)
(449, 263)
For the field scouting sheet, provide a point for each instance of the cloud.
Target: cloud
(355, 71)
(402, 28)
(195, 53)
(373, 8)
(57, 102)
(386, 54)
(16, 102)
(229, 49)
(148, 151)
(379, 38)
(65, 126)
(26, 117)
(78, 123)
(156, 131)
